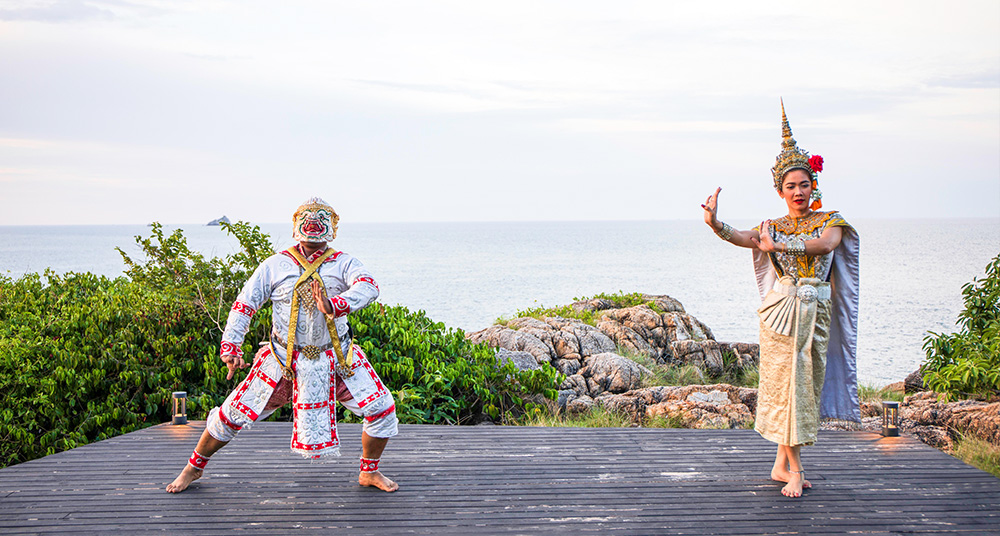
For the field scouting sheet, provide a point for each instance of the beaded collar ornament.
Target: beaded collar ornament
(315, 221)
(791, 157)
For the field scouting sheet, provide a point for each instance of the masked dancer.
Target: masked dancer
(310, 359)
(806, 264)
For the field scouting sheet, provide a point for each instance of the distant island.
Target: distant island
(219, 221)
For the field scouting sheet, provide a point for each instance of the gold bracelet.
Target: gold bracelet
(796, 247)
(726, 232)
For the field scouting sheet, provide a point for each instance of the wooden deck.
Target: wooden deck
(501, 480)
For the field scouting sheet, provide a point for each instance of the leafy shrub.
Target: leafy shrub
(440, 377)
(620, 299)
(85, 357)
(968, 362)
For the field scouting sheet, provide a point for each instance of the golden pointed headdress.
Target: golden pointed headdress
(791, 157)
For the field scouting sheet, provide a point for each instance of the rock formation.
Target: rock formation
(598, 374)
(599, 362)
(914, 382)
(219, 221)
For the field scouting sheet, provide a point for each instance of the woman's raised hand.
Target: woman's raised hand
(763, 241)
(711, 207)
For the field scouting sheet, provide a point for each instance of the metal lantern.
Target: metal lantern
(890, 418)
(180, 407)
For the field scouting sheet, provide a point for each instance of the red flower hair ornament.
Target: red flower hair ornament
(816, 163)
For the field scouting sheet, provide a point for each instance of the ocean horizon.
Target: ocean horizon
(467, 274)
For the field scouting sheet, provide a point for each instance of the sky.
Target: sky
(127, 112)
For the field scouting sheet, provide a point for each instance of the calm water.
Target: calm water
(468, 274)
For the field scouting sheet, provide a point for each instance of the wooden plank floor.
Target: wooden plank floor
(500, 480)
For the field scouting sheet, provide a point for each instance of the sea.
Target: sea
(467, 275)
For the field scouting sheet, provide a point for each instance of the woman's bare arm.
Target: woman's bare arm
(827, 242)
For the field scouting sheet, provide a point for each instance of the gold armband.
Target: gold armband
(796, 247)
(726, 232)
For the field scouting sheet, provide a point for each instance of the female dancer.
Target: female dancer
(806, 265)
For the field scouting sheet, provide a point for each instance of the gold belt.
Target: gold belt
(307, 350)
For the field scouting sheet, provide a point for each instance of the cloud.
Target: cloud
(58, 11)
(24, 143)
(983, 79)
(641, 125)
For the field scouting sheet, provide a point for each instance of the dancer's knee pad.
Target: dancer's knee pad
(382, 422)
(221, 427)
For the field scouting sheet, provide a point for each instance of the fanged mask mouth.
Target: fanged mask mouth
(313, 227)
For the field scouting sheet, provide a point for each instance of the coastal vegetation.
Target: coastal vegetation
(967, 363)
(589, 317)
(686, 374)
(86, 357)
(978, 453)
(870, 394)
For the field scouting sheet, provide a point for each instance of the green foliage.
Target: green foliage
(211, 284)
(438, 376)
(967, 363)
(85, 358)
(620, 299)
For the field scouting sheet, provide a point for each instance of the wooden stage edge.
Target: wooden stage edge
(501, 480)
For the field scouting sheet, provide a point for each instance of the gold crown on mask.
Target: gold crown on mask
(792, 157)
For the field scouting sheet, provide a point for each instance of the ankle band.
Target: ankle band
(197, 460)
(369, 466)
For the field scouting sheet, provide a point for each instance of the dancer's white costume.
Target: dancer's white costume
(315, 376)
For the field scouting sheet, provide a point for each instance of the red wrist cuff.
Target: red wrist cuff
(228, 348)
(340, 306)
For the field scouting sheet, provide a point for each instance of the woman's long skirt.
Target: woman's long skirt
(792, 370)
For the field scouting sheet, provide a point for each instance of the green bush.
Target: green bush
(85, 358)
(620, 299)
(440, 377)
(967, 363)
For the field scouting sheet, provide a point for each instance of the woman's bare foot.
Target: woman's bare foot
(376, 480)
(795, 484)
(183, 480)
(782, 474)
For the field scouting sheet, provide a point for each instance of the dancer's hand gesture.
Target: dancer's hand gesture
(234, 362)
(711, 206)
(322, 303)
(763, 241)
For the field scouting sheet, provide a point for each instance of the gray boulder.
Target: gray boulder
(611, 372)
(521, 360)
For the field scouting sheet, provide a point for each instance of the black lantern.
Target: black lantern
(890, 418)
(180, 407)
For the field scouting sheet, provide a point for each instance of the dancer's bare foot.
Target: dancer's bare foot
(782, 474)
(377, 480)
(795, 484)
(183, 480)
